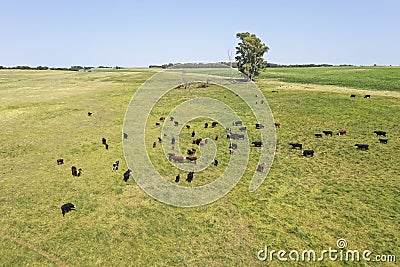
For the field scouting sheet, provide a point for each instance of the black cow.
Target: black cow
(191, 152)
(214, 124)
(367, 96)
(154, 144)
(177, 178)
(352, 95)
(74, 171)
(190, 176)
(106, 146)
(60, 161)
(318, 135)
(125, 136)
(188, 126)
(115, 165)
(173, 140)
(215, 163)
(176, 123)
(380, 133)
(78, 172)
(383, 141)
(327, 132)
(308, 153)
(257, 143)
(236, 136)
(193, 133)
(236, 123)
(296, 145)
(158, 124)
(89, 113)
(274, 91)
(67, 208)
(159, 139)
(362, 146)
(242, 129)
(127, 175)
(171, 118)
(206, 125)
(233, 146)
(103, 141)
(259, 126)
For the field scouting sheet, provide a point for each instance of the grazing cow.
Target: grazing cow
(191, 152)
(277, 124)
(362, 146)
(214, 124)
(107, 146)
(380, 133)
(60, 161)
(103, 141)
(215, 163)
(342, 132)
(352, 95)
(89, 113)
(176, 123)
(173, 140)
(125, 136)
(159, 139)
(158, 124)
(198, 141)
(154, 144)
(171, 118)
(190, 176)
(67, 208)
(74, 171)
(237, 123)
(162, 118)
(177, 178)
(367, 96)
(233, 146)
(188, 126)
(259, 126)
(193, 133)
(176, 158)
(242, 129)
(206, 125)
(308, 153)
(192, 159)
(78, 172)
(236, 136)
(127, 174)
(318, 135)
(115, 165)
(296, 145)
(257, 144)
(383, 141)
(261, 166)
(327, 133)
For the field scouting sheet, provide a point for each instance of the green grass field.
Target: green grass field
(304, 203)
(376, 78)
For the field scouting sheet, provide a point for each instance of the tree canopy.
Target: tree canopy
(249, 54)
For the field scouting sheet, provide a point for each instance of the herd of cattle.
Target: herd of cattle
(191, 158)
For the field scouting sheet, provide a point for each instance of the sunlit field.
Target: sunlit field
(304, 203)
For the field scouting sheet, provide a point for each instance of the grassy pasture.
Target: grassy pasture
(305, 203)
(376, 78)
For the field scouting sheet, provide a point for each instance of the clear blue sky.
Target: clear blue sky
(139, 33)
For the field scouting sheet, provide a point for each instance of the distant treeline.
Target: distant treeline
(72, 68)
(234, 65)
